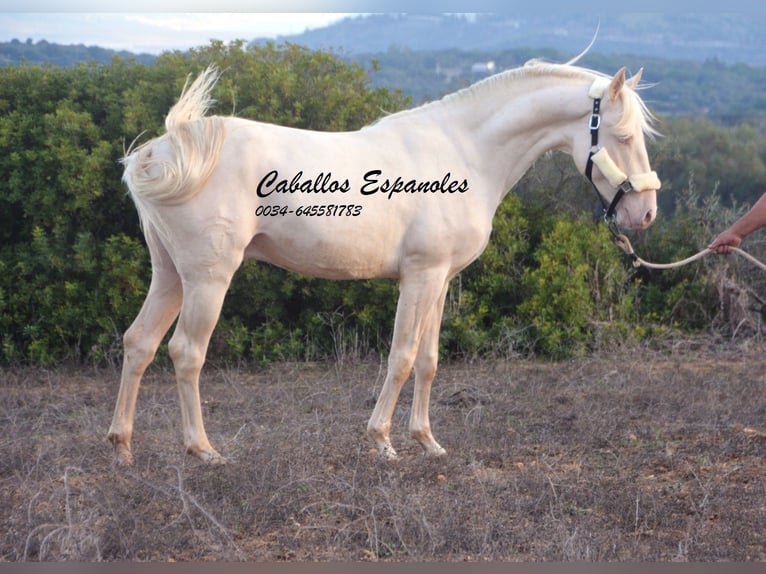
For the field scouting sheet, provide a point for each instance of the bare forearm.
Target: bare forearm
(754, 219)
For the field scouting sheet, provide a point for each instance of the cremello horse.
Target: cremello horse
(410, 197)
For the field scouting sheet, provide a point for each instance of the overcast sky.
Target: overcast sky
(156, 25)
(155, 32)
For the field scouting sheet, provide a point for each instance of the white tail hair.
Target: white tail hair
(172, 168)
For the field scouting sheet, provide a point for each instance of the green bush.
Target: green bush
(682, 298)
(578, 290)
(481, 303)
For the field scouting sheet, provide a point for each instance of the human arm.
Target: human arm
(754, 219)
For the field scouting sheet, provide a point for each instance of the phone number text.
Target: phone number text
(309, 210)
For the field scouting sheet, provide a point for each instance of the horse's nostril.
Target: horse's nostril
(649, 217)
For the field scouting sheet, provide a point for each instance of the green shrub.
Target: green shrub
(481, 303)
(578, 292)
(681, 298)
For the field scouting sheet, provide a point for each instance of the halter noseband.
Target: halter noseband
(600, 157)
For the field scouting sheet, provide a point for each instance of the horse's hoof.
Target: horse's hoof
(217, 460)
(435, 451)
(123, 458)
(122, 455)
(387, 452)
(208, 456)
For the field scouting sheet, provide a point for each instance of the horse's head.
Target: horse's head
(617, 161)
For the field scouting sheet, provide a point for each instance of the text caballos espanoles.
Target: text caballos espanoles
(373, 183)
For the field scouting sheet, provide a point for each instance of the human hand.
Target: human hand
(724, 243)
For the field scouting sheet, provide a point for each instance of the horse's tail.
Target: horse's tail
(172, 168)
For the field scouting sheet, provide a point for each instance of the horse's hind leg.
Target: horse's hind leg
(141, 340)
(204, 292)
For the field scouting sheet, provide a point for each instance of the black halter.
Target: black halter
(610, 209)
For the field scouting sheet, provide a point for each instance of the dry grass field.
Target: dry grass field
(640, 455)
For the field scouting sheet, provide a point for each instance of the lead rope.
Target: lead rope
(624, 243)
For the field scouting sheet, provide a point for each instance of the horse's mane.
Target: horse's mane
(510, 80)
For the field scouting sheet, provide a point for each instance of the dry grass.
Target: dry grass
(636, 456)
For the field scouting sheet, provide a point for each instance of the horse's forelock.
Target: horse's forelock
(634, 109)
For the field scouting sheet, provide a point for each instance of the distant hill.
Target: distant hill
(16, 52)
(729, 38)
(695, 59)
(692, 57)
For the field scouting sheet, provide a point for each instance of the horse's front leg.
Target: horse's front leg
(419, 292)
(425, 370)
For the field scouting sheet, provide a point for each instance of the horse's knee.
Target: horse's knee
(131, 340)
(138, 350)
(185, 355)
(425, 366)
(400, 363)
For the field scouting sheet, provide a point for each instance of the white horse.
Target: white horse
(410, 197)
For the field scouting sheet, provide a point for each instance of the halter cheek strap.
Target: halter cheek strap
(600, 158)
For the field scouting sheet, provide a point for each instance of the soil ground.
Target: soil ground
(633, 456)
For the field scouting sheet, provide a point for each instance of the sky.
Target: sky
(154, 26)
(155, 32)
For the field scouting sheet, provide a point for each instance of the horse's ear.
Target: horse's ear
(634, 81)
(617, 83)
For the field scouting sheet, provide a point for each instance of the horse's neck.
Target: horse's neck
(511, 126)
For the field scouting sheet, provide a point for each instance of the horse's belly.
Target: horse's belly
(328, 257)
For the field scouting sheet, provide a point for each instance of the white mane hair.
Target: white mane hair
(511, 79)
